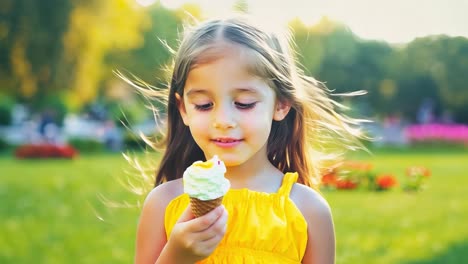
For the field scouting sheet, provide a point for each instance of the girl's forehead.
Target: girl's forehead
(247, 58)
(215, 51)
(230, 68)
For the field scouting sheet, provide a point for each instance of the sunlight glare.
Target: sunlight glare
(146, 2)
(172, 4)
(394, 21)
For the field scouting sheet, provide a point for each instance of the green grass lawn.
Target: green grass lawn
(66, 211)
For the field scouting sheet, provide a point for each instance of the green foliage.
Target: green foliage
(149, 60)
(33, 45)
(56, 46)
(4, 145)
(445, 59)
(6, 105)
(86, 145)
(310, 49)
(398, 79)
(127, 113)
(241, 6)
(133, 142)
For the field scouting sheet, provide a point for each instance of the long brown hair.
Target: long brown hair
(299, 143)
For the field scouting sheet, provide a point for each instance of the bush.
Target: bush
(133, 142)
(5, 112)
(4, 145)
(86, 145)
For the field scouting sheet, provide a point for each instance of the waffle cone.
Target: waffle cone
(200, 207)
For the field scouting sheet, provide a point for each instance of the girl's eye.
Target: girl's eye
(204, 107)
(245, 106)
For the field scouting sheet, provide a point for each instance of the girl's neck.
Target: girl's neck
(255, 174)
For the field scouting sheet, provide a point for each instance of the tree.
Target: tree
(96, 29)
(56, 48)
(31, 47)
(443, 63)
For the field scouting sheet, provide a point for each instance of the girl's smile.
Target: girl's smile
(227, 142)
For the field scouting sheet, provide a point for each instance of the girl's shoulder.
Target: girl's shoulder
(151, 234)
(310, 202)
(320, 229)
(166, 192)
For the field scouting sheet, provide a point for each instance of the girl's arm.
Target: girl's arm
(320, 231)
(191, 239)
(151, 236)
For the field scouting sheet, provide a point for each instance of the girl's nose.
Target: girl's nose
(223, 118)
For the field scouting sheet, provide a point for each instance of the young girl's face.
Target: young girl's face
(229, 111)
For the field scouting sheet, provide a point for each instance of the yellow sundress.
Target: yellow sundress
(262, 227)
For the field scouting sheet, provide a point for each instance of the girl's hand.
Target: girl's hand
(196, 238)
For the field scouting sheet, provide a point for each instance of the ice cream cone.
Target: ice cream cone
(205, 184)
(200, 207)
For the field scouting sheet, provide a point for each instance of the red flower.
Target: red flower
(345, 184)
(386, 181)
(45, 151)
(329, 179)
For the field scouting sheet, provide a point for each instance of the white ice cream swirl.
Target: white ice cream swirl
(205, 180)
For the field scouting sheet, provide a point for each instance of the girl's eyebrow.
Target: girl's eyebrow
(195, 91)
(247, 89)
(239, 90)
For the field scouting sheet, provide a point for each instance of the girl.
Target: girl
(235, 92)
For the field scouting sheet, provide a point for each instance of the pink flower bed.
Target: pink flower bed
(454, 133)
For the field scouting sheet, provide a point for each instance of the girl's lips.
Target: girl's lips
(226, 142)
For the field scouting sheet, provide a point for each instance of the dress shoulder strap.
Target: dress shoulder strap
(288, 181)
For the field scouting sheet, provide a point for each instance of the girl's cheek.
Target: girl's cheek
(201, 119)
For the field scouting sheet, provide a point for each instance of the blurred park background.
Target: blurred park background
(77, 199)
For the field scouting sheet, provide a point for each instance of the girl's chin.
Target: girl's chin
(230, 160)
(232, 164)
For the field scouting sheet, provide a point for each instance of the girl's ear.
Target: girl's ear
(181, 107)
(281, 110)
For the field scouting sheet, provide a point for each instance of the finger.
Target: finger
(217, 232)
(186, 215)
(212, 242)
(217, 229)
(205, 221)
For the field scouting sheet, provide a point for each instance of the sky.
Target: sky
(394, 21)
